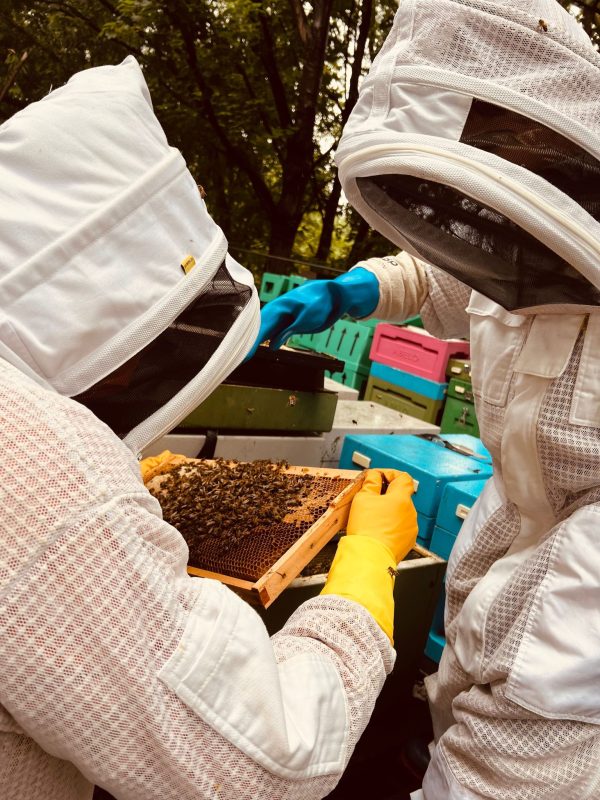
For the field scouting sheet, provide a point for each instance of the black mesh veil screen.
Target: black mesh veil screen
(539, 149)
(476, 244)
(148, 380)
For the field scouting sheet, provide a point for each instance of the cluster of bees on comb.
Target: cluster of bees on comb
(228, 500)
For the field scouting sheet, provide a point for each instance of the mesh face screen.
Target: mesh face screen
(475, 243)
(151, 378)
(541, 150)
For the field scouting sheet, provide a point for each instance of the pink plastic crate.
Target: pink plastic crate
(416, 351)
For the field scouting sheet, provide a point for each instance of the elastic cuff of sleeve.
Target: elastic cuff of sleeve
(363, 571)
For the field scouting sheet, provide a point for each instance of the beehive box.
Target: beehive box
(261, 564)
(416, 351)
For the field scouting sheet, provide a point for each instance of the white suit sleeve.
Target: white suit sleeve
(408, 286)
(154, 684)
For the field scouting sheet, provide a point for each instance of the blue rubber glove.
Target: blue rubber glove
(316, 305)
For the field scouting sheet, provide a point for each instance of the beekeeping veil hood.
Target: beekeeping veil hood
(115, 283)
(475, 144)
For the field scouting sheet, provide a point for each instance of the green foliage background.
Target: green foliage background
(254, 93)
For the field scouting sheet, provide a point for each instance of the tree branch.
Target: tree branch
(267, 57)
(301, 21)
(234, 152)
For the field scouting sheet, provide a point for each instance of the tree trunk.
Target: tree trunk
(336, 191)
(329, 216)
(358, 247)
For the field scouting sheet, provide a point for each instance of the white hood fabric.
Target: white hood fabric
(475, 144)
(98, 213)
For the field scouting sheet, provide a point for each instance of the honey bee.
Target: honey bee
(542, 26)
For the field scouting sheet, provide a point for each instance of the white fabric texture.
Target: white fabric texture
(439, 56)
(97, 214)
(95, 602)
(290, 718)
(402, 282)
(515, 703)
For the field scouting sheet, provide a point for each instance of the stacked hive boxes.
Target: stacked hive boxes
(459, 409)
(449, 473)
(432, 462)
(455, 505)
(350, 341)
(408, 372)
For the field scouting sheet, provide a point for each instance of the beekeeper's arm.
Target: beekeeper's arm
(150, 682)
(391, 288)
(381, 530)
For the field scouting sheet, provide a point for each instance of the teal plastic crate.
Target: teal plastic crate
(310, 341)
(435, 646)
(456, 502)
(367, 323)
(425, 527)
(428, 461)
(350, 341)
(272, 286)
(406, 380)
(355, 378)
(295, 280)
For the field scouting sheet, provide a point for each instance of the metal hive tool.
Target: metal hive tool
(260, 565)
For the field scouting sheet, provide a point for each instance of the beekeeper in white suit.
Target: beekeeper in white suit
(475, 145)
(116, 667)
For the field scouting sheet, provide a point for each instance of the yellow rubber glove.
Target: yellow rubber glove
(163, 462)
(381, 530)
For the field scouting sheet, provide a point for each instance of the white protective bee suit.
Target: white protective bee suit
(475, 146)
(116, 667)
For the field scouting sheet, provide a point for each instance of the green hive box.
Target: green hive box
(349, 340)
(273, 285)
(459, 368)
(309, 341)
(294, 281)
(355, 378)
(403, 400)
(232, 407)
(459, 411)
(416, 322)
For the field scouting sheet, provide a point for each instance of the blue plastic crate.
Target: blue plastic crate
(457, 500)
(406, 380)
(435, 645)
(442, 542)
(455, 504)
(426, 526)
(428, 462)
